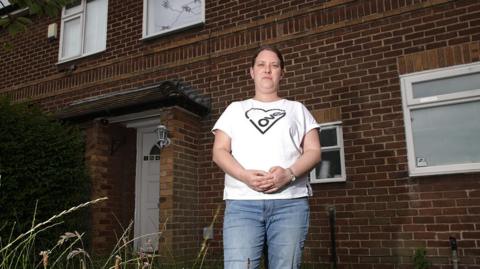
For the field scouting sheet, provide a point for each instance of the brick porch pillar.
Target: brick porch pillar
(182, 232)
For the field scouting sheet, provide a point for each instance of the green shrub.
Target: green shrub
(42, 170)
(420, 260)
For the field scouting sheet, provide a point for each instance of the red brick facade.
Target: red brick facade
(343, 60)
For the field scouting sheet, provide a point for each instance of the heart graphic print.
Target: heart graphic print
(262, 119)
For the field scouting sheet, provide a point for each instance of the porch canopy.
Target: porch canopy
(166, 94)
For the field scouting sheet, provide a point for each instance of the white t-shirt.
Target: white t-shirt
(263, 135)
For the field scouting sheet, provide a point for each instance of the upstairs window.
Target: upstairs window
(163, 16)
(4, 3)
(83, 29)
(442, 120)
(332, 166)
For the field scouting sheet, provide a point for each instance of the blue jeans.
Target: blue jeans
(250, 225)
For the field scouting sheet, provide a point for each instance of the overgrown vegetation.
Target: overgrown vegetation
(42, 170)
(69, 251)
(20, 252)
(19, 13)
(420, 260)
(15, 22)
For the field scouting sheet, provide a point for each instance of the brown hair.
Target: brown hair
(269, 48)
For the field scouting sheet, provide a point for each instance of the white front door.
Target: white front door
(147, 191)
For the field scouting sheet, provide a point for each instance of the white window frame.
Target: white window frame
(145, 34)
(82, 15)
(410, 103)
(5, 3)
(339, 147)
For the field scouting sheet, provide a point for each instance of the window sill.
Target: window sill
(444, 170)
(327, 180)
(73, 59)
(170, 32)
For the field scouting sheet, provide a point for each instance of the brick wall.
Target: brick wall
(341, 56)
(121, 170)
(96, 157)
(110, 155)
(179, 195)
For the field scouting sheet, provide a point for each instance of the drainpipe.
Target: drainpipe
(331, 218)
(453, 246)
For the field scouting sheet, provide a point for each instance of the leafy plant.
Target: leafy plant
(17, 22)
(42, 167)
(420, 260)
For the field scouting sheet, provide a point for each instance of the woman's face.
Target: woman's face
(266, 72)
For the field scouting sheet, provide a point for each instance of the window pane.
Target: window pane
(446, 85)
(5, 3)
(447, 134)
(96, 26)
(155, 150)
(71, 45)
(166, 15)
(73, 7)
(153, 7)
(330, 166)
(328, 137)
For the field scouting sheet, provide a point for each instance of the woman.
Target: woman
(266, 146)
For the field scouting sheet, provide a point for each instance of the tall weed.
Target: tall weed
(69, 251)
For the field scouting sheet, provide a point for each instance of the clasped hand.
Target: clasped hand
(267, 182)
